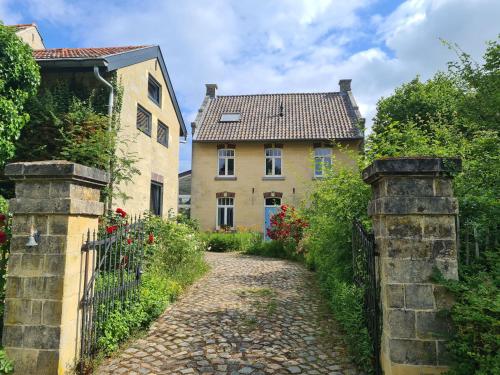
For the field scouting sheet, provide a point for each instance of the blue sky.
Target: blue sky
(261, 46)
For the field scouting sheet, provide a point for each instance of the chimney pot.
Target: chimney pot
(211, 89)
(345, 85)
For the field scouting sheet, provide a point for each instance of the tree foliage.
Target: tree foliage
(456, 114)
(19, 79)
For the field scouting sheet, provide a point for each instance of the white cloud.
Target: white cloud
(251, 46)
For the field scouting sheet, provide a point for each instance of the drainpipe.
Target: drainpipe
(110, 114)
(111, 92)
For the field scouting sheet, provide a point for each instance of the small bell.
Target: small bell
(32, 241)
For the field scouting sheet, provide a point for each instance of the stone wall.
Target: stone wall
(414, 220)
(60, 201)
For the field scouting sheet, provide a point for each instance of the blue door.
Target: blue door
(268, 212)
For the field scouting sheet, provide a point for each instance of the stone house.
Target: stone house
(252, 153)
(150, 117)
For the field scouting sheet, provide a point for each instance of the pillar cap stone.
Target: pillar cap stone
(57, 170)
(411, 166)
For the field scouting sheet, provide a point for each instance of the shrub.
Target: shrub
(227, 241)
(333, 205)
(173, 259)
(474, 347)
(286, 225)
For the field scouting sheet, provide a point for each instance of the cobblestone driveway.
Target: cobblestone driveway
(250, 315)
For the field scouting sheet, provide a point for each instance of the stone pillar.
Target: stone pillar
(414, 222)
(60, 200)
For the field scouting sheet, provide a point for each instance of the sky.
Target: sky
(271, 46)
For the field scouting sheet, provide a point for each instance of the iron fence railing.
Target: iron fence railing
(365, 276)
(112, 274)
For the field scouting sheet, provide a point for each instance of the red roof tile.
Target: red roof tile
(81, 53)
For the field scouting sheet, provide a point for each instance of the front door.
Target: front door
(271, 207)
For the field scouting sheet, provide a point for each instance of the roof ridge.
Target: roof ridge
(74, 48)
(284, 93)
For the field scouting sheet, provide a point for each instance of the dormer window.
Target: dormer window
(230, 117)
(154, 90)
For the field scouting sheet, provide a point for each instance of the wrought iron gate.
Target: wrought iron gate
(365, 276)
(112, 274)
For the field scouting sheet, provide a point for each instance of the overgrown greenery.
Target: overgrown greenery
(229, 241)
(19, 80)
(334, 203)
(456, 114)
(6, 366)
(173, 259)
(69, 121)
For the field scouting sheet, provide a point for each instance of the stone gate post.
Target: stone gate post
(60, 201)
(414, 222)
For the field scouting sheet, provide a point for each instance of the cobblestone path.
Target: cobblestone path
(249, 315)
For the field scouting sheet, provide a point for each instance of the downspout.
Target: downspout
(111, 92)
(110, 115)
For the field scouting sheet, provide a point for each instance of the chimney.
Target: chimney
(211, 89)
(193, 128)
(345, 85)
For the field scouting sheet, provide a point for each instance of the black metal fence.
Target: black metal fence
(113, 260)
(365, 276)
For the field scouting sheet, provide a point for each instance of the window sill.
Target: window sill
(273, 178)
(318, 177)
(226, 178)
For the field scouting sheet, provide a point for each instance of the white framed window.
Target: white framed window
(225, 166)
(225, 212)
(322, 160)
(273, 161)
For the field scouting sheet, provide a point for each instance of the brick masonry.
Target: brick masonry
(60, 200)
(413, 212)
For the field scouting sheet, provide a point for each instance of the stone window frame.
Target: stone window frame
(225, 154)
(322, 159)
(225, 201)
(273, 152)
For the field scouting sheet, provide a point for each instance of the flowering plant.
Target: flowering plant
(286, 225)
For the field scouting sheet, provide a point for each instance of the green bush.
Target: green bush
(6, 366)
(274, 249)
(333, 205)
(474, 346)
(173, 259)
(222, 242)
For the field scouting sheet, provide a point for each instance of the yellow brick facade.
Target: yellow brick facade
(154, 158)
(155, 161)
(251, 182)
(31, 37)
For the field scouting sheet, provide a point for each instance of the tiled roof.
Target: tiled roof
(305, 116)
(22, 26)
(81, 53)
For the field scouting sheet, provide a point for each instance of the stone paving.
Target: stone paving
(249, 315)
